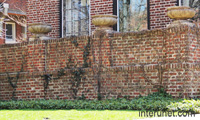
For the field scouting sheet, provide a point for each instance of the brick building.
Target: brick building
(13, 21)
(124, 64)
(73, 17)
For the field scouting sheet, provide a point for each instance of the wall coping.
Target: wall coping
(159, 31)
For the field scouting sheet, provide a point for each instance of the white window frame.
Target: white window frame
(7, 41)
(179, 2)
(117, 16)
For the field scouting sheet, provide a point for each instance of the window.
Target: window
(10, 32)
(183, 2)
(189, 3)
(75, 18)
(132, 15)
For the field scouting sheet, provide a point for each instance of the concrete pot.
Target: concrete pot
(104, 22)
(180, 14)
(39, 30)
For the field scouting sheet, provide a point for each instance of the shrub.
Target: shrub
(154, 102)
(186, 105)
(112, 104)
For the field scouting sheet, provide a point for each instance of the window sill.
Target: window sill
(11, 42)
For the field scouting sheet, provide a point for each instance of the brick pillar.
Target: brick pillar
(36, 56)
(101, 48)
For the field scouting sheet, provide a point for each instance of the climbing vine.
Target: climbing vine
(47, 78)
(13, 83)
(86, 53)
(14, 80)
(76, 79)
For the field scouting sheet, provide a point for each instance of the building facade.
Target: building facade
(73, 17)
(124, 64)
(13, 21)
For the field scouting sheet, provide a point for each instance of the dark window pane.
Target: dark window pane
(9, 31)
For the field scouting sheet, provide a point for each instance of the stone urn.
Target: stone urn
(39, 30)
(180, 14)
(104, 22)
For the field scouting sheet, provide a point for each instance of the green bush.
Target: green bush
(113, 104)
(159, 101)
(185, 105)
(156, 101)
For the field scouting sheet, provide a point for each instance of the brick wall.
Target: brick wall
(100, 7)
(16, 4)
(1, 41)
(46, 11)
(18, 32)
(126, 64)
(158, 13)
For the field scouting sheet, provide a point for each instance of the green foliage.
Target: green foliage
(154, 102)
(111, 104)
(99, 96)
(159, 101)
(185, 105)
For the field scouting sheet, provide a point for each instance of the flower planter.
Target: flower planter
(40, 30)
(180, 14)
(104, 22)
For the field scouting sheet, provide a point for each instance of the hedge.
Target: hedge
(159, 101)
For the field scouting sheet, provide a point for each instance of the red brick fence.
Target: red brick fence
(123, 64)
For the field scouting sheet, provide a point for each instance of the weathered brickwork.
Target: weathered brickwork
(100, 7)
(16, 4)
(1, 41)
(46, 11)
(126, 64)
(158, 12)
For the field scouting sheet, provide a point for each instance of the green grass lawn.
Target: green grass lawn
(69, 114)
